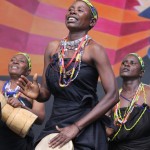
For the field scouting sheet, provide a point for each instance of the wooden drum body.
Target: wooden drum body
(19, 120)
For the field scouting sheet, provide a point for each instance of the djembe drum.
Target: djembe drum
(19, 120)
(43, 144)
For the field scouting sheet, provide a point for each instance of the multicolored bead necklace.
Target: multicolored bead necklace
(129, 109)
(120, 121)
(66, 77)
(70, 45)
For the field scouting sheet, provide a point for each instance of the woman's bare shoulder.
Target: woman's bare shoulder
(51, 49)
(53, 43)
(147, 87)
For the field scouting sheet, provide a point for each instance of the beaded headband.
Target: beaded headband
(27, 57)
(140, 60)
(92, 8)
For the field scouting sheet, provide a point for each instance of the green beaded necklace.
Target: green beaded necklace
(118, 116)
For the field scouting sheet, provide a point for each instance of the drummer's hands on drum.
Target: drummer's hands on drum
(66, 134)
(28, 88)
(14, 102)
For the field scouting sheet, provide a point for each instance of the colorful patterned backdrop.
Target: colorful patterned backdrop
(29, 25)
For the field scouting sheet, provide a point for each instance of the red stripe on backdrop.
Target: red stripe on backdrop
(130, 28)
(28, 5)
(19, 40)
(120, 53)
(115, 3)
(124, 4)
(111, 55)
(12, 38)
(37, 44)
(51, 12)
(130, 4)
(116, 56)
(119, 3)
(118, 29)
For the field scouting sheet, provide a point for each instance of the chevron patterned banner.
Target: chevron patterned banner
(29, 25)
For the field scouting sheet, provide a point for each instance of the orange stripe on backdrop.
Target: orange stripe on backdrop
(105, 11)
(141, 52)
(117, 14)
(114, 42)
(133, 38)
(48, 28)
(107, 40)
(132, 16)
(6, 54)
(37, 65)
(12, 16)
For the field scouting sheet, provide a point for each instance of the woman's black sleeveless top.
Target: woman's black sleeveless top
(72, 103)
(139, 137)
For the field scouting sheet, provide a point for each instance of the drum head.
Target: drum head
(43, 144)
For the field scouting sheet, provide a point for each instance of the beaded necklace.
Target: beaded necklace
(129, 109)
(66, 77)
(122, 120)
(70, 45)
(8, 92)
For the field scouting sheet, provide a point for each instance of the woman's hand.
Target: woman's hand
(14, 102)
(66, 134)
(109, 131)
(28, 88)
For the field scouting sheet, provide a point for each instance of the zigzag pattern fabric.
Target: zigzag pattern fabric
(29, 25)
